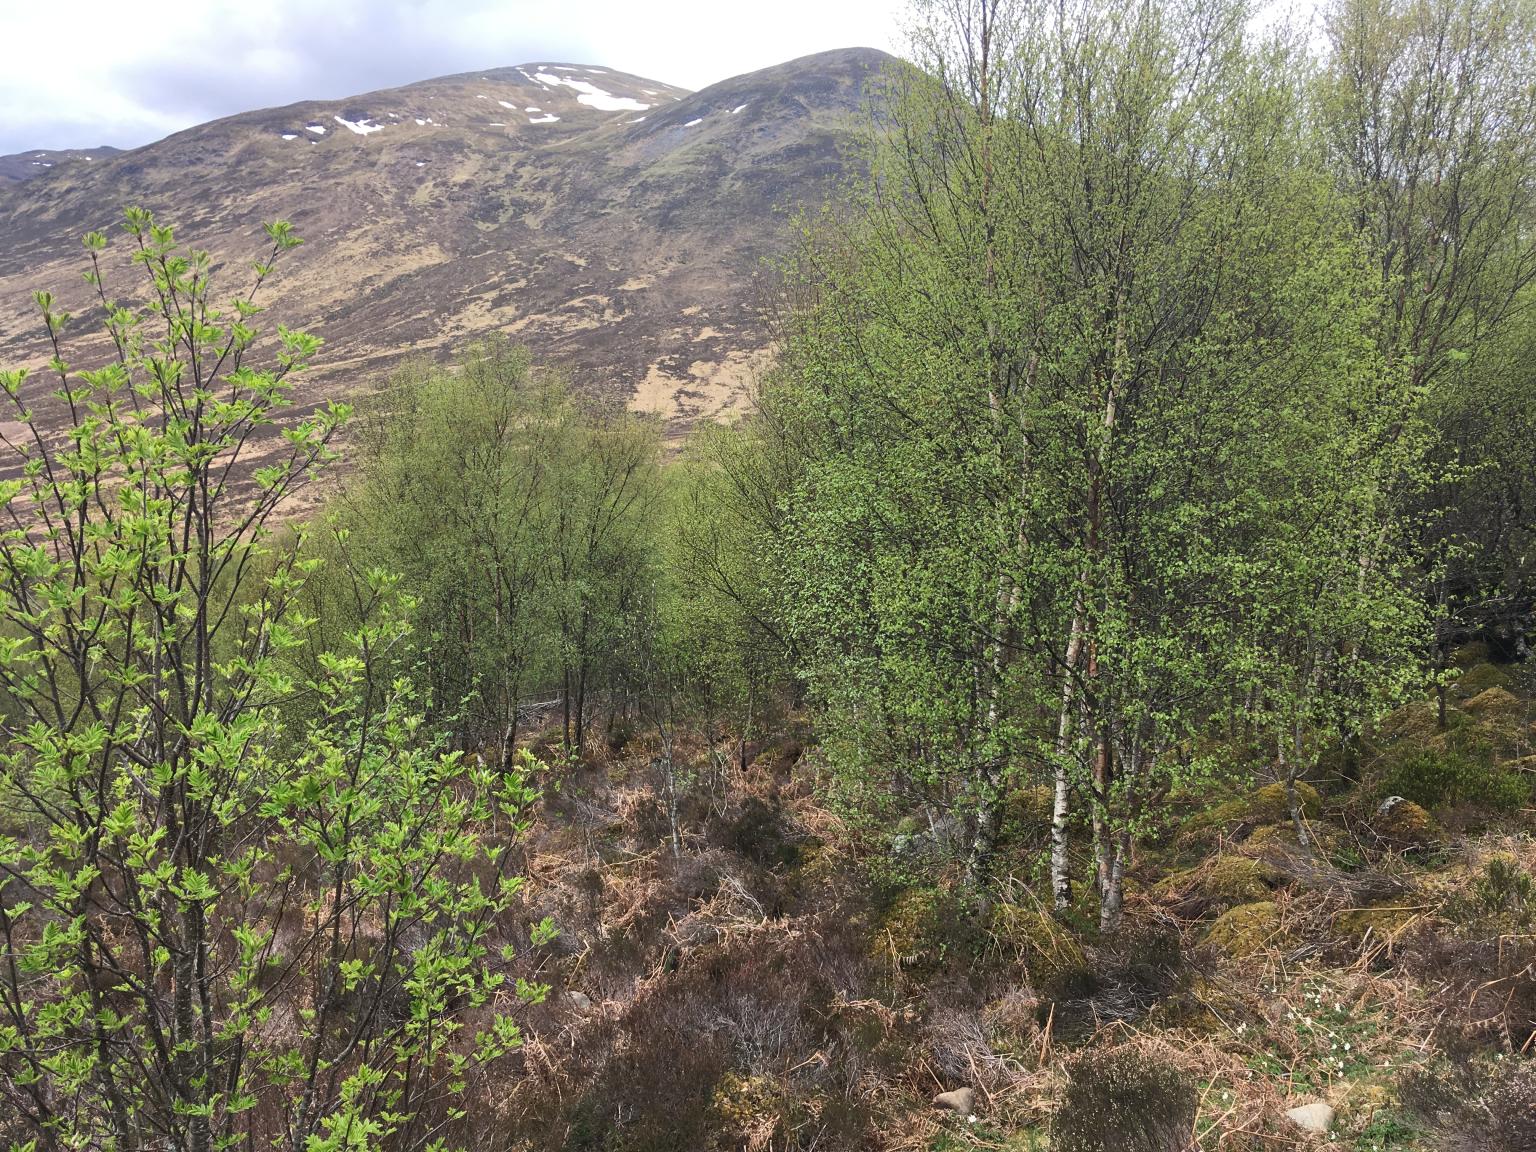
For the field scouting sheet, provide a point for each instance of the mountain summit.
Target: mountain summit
(615, 224)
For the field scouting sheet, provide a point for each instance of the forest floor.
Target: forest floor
(775, 984)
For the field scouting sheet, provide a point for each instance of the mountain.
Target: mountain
(30, 165)
(615, 224)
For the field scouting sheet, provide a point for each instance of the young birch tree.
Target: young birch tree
(1431, 119)
(1040, 369)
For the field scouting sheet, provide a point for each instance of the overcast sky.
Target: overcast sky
(78, 73)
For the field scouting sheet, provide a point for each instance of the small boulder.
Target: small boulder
(1317, 1117)
(961, 1101)
(579, 1001)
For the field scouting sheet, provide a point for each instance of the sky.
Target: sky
(80, 73)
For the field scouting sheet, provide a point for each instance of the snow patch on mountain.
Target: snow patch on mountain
(593, 96)
(362, 127)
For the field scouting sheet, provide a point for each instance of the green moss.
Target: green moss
(1273, 805)
(1280, 839)
(1491, 724)
(1503, 719)
(909, 931)
(1470, 655)
(1404, 825)
(1461, 762)
(1418, 724)
(1266, 805)
(1055, 961)
(1479, 678)
(1226, 881)
(925, 928)
(1240, 880)
(1382, 922)
(1245, 929)
(1497, 703)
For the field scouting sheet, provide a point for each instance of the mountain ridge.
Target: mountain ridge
(29, 165)
(614, 223)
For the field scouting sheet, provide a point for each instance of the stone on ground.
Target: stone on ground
(1317, 1117)
(961, 1100)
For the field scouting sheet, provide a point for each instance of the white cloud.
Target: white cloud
(65, 86)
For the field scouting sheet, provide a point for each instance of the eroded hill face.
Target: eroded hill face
(616, 224)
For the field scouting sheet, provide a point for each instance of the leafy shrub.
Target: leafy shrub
(1504, 886)
(1501, 896)
(1431, 778)
(226, 917)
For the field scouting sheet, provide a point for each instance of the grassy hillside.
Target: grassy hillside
(779, 985)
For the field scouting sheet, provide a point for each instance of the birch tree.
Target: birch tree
(1040, 368)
